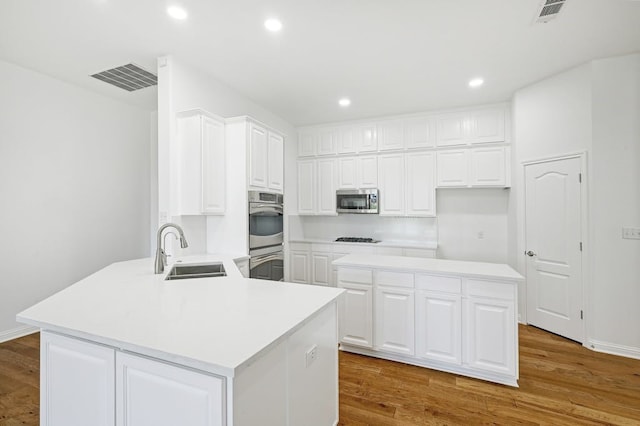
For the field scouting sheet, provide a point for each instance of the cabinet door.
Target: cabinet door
(490, 335)
(366, 139)
(452, 129)
(299, 272)
(347, 173)
(452, 168)
(346, 140)
(306, 188)
(367, 172)
(320, 268)
(307, 142)
(152, 393)
(420, 184)
(390, 135)
(356, 314)
(213, 166)
(258, 160)
(326, 187)
(438, 326)
(488, 166)
(419, 132)
(394, 320)
(276, 163)
(486, 126)
(391, 184)
(77, 385)
(327, 142)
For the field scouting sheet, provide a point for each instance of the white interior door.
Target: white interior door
(553, 246)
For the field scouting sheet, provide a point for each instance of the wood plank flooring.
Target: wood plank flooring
(561, 383)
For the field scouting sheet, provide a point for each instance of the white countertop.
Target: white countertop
(213, 324)
(430, 245)
(435, 266)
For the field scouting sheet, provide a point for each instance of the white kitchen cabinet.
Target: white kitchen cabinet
(325, 187)
(390, 135)
(154, 393)
(419, 132)
(299, 263)
(77, 382)
(453, 168)
(355, 318)
(485, 125)
(452, 129)
(394, 320)
(488, 166)
(438, 326)
(366, 137)
(420, 184)
(275, 163)
(321, 267)
(307, 141)
(490, 335)
(202, 183)
(358, 172)
(327, 141)
(306, 187)
(346, 140)
(258, 156)
(391, 184)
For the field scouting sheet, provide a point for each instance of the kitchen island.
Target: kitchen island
(449, 315)
(125, 346)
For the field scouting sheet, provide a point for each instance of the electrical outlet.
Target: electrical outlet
(481, 235)
(311, 355)
(631, 233)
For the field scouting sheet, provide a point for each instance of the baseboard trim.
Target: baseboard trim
(614, 349)
(14, 333)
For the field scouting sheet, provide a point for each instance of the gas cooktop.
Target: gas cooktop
(356, 240)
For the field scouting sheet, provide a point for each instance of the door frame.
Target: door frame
(584, 230)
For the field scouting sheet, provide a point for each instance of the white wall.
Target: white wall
(594, 108)
(615, 202)
(74, 185)
(182, 87)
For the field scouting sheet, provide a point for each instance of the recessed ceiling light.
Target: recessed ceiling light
(176, 12)
(344, 102)
(273, 25)
(476, 82)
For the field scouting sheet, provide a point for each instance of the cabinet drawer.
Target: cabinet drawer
(352, 249)
(299, 246)
(492, 289)
(438, 283)
(353, 275)
(395, 279)
(327, 248)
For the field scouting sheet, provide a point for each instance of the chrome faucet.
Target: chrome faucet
(161, 256)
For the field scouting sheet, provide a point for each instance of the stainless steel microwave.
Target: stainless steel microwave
(357, 201)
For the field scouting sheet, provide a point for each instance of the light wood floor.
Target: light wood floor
(561, 383)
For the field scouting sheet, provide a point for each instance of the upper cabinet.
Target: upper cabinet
(477, 167)
(201, 146)
(390, 135)
(266, 159)
(419, 132)
(485, 125)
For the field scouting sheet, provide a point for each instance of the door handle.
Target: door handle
(530, 253)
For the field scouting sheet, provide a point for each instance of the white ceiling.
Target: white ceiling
(388, 56)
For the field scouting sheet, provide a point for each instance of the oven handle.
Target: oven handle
(265, 208)
(259, 260)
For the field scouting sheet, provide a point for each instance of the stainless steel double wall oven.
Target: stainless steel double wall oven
(266, 235)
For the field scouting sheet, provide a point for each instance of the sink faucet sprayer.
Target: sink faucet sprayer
(161, 257)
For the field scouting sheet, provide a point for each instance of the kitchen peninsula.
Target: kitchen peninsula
(126, 346)
(449, 315)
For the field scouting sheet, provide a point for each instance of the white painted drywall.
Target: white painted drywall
(182, 87)
(615, 202)
(74, 185)
(594, 108)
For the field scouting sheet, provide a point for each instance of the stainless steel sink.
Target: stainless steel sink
(199, 270)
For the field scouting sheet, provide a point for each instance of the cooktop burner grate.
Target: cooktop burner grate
(356, 240)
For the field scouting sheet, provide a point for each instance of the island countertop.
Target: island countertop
(434, 266)
(217, 324)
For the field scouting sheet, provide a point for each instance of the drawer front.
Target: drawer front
(439, 283)
(299, 246)
(327, 248)
(492, 289)
(354, 275)
(394, 279)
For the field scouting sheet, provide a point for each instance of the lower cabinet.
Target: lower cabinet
(452, 323)
(82, 382)
(299, 266)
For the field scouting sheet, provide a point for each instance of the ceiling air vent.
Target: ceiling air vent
(129, 77)
(549, 9)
